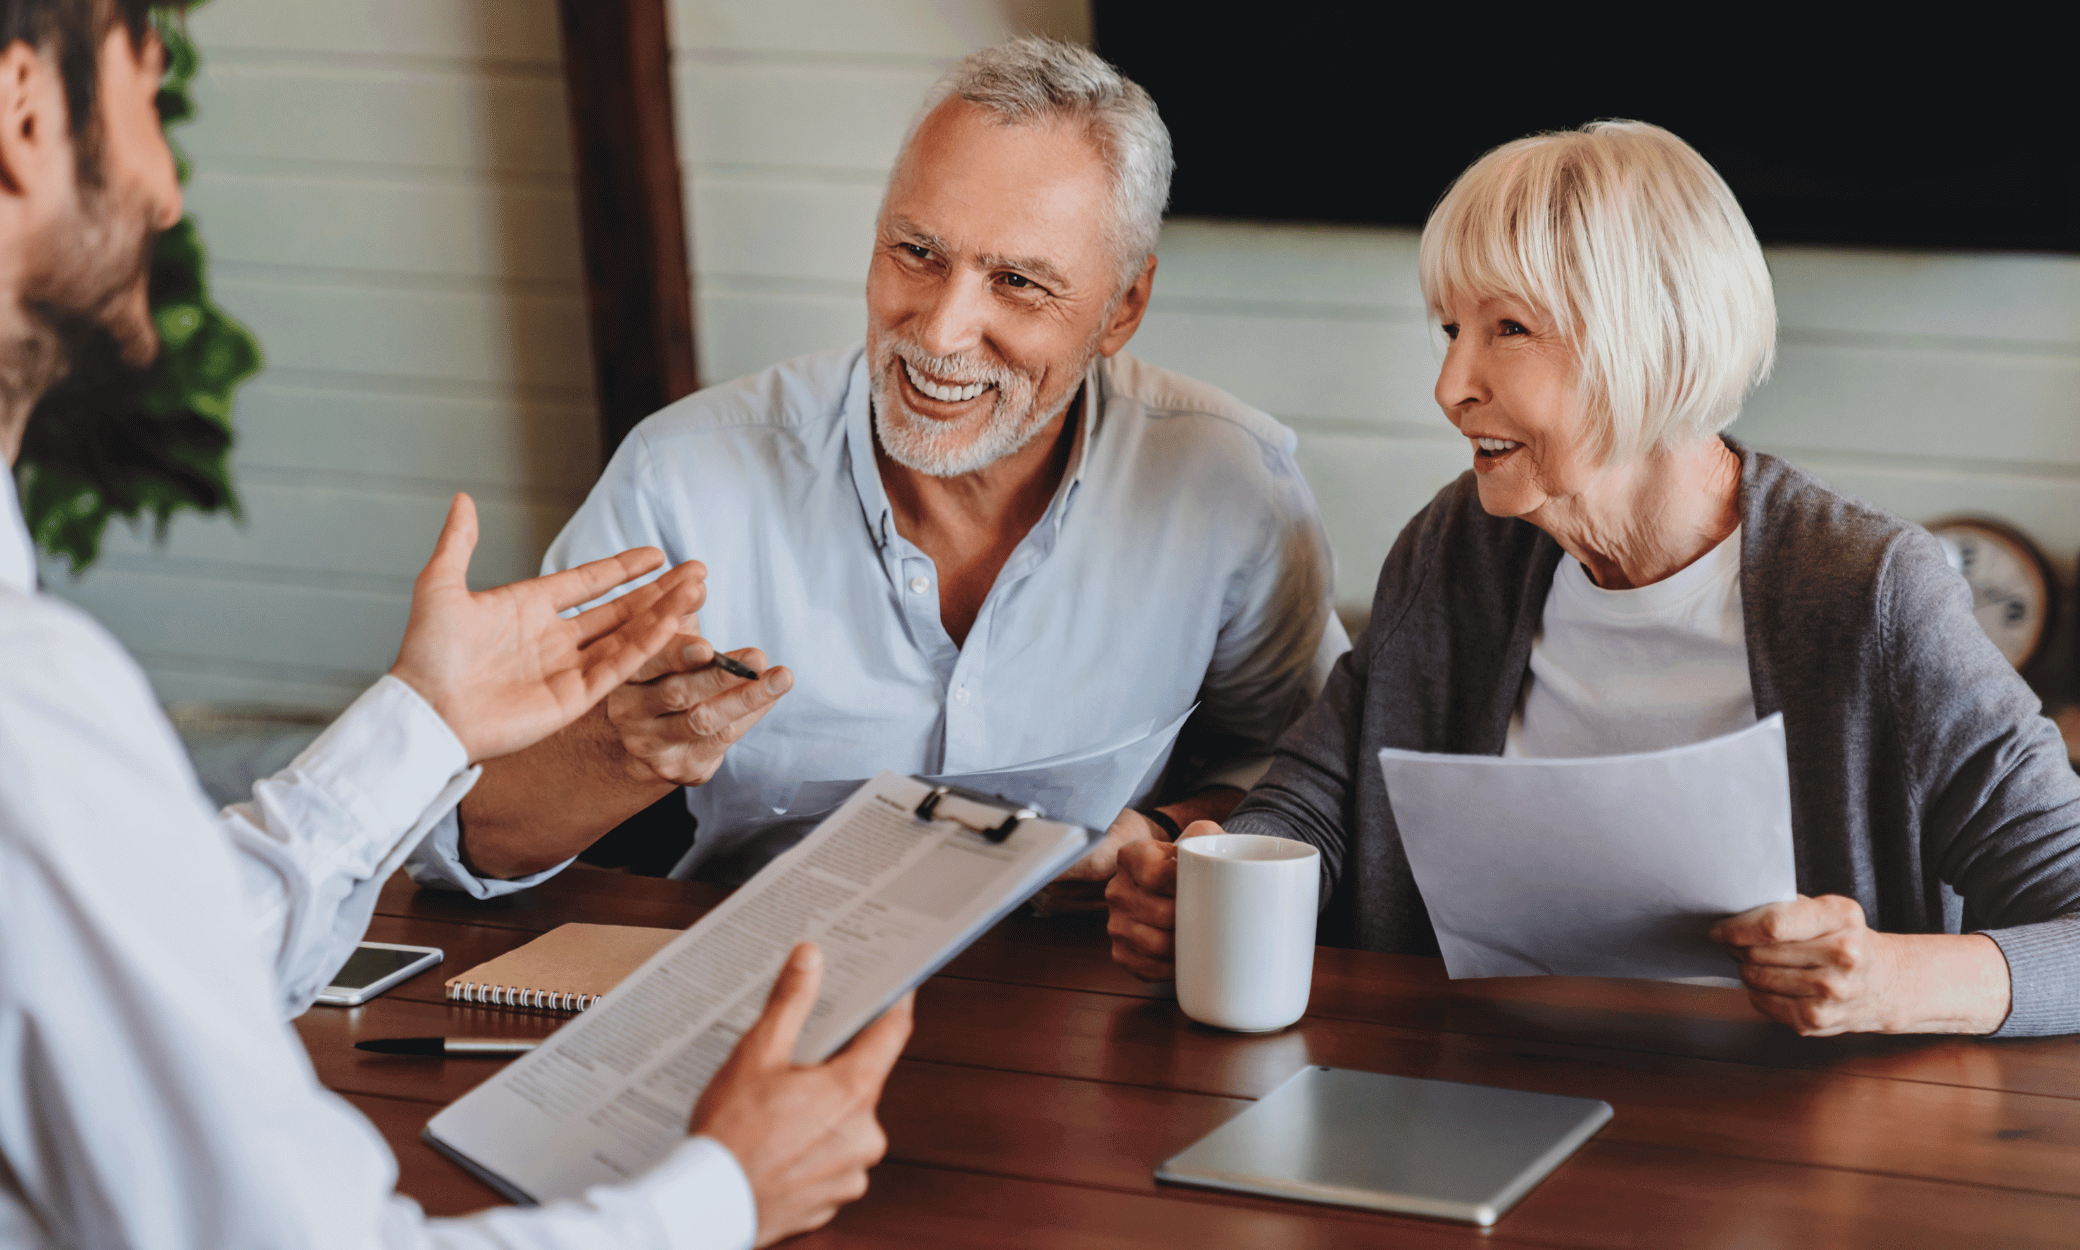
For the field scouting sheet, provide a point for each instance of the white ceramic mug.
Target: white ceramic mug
(1245, 929)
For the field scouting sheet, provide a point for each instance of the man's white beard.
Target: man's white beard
(934, 448)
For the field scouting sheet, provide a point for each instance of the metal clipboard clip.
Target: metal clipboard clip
(991, 815)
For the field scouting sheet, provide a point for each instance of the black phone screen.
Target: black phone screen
(370, 964)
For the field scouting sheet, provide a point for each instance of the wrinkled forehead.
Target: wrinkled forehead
(980, 187)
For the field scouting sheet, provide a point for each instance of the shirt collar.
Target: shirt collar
(866, 474)
(17, 553)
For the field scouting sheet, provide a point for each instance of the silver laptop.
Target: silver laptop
(1392, 1143)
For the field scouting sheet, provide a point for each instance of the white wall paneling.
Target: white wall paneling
(384, 187)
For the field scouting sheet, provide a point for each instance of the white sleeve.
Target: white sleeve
(150, 1096)
(696, 1198)
(317, 840)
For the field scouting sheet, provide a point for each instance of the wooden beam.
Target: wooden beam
(617, 76)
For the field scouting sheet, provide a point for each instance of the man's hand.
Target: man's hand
(677, 725)
(502, 668)
(1143, 899)
(1815, 965)
(805, 1137)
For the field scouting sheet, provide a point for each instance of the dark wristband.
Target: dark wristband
(1162, 818)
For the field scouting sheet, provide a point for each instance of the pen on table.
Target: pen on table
(451, 1047)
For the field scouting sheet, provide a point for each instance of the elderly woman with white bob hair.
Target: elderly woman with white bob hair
(1614, 575)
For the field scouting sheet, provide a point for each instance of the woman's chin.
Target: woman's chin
(1501, 497)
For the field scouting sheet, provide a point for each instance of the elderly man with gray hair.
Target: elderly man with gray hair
(988, 544)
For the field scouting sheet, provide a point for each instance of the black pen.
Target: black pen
(451, 1047)
(735, 668)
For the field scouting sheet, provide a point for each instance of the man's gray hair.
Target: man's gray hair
(1036, 81)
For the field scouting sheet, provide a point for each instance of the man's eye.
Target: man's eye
(915, 251)
(1019, 281)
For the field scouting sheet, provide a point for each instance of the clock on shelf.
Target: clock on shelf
(2013, 593)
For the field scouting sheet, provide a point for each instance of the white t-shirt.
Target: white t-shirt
(1619, 671)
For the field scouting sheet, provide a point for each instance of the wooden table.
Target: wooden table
(1043, 1085)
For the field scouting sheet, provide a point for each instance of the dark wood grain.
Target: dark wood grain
(1042, 1086)
(618, 85)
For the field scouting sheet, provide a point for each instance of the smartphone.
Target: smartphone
(375, 967)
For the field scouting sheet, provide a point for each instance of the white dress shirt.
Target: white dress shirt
(150, 1093)
(1614, 672)
(1181, 561)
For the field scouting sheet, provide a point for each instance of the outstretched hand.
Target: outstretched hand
(502, 668)
(805, 1136)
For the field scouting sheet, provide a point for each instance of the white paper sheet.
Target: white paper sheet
(889, 897)
(1611, 867)
(1087, 787)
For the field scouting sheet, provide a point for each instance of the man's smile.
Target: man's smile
(922, 384)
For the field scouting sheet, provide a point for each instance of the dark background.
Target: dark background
(1941, 135)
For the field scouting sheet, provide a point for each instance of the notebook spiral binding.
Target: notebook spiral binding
(514, 996)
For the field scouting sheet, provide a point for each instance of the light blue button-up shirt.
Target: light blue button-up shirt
(1181, 562)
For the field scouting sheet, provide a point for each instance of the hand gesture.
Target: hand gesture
(1814, 964)
(501, 667)
(677, 724)
(805, 1136)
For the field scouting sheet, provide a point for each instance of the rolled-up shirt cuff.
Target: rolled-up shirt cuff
(386, 760)
(703, 1197)
(437, 862)
(2043, 977)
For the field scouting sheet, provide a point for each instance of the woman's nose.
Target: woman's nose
(1458, 379)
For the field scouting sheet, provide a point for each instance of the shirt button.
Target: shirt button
(918, 585)
(961, 696)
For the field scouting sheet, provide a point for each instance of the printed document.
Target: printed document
(888, 896)
(1609, 867)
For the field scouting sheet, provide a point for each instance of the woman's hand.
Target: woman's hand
(1143, 902)
(502, 668)
(805, 1137)
(1815, 965)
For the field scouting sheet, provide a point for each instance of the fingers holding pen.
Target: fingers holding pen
(680, 725)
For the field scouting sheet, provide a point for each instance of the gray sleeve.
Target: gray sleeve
(1309, 794)
(1999, 802)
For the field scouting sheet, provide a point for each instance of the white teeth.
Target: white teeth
(1494, 444)
(947, 394)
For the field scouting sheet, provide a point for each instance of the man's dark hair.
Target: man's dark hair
(73, 30)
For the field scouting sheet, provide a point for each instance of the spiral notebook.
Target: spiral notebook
(566, 969)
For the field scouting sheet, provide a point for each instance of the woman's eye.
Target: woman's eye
(1451, 331)
(1510, 327)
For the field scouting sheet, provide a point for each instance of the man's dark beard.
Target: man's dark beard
(123, 429)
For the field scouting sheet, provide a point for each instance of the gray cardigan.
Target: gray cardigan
(1925, 783)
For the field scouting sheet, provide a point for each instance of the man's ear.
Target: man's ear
(32, 116)
(1133, 305)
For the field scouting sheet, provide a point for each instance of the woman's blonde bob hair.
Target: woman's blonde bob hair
(1635, 248)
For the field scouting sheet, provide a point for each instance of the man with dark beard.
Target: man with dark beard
(149, 949)
(989, 545)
